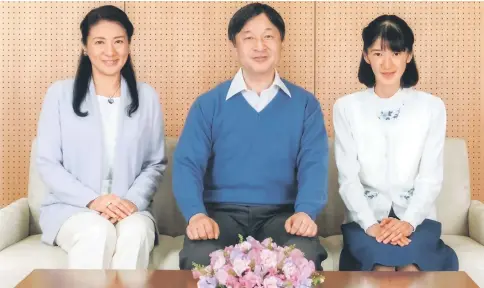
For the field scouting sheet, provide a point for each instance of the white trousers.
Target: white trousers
(92, 242)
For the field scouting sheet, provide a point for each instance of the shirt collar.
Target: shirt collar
(238, 85)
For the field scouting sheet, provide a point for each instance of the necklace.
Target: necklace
(111, 100)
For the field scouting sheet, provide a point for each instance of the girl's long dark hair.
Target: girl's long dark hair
(84, 70)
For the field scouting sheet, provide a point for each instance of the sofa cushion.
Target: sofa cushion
(470, 254)
(165, 210)
(36, 192)
(31, 253)
(334, 245)
(18, 260)
(330, 219)
(455, 189)
(165, 255)
(455, 193)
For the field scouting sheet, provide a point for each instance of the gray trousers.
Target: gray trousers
(259, 222)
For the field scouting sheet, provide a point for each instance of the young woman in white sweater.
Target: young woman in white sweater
(389, 141)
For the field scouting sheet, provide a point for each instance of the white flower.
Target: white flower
(219, 258)
(245, 246)
(240, 266)
(270, 282)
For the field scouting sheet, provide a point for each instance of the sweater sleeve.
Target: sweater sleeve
(190, 162)
(351, 189)
(312, 162)
(428, 182)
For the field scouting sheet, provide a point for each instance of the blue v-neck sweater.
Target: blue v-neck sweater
(230, 153)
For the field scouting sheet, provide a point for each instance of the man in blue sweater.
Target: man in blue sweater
(252, 156)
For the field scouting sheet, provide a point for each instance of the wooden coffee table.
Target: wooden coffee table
(183, 279)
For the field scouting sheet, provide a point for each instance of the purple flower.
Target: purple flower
(290, 270)
(207, 282)
(236, 254)
(307, 283)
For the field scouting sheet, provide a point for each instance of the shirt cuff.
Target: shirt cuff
(141, 203)
(412, 220)
(367, 220)
(194, 210)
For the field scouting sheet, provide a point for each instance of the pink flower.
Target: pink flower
(256, 265)
(270, 282)
(254, 243)
(258, 270)
(217, 259)
(267, 243)
(268, 259)
(296, 253)
(196, 274)
(250, 279)
(222, 276)
(305, 267)
(233, 282)
(254, 255)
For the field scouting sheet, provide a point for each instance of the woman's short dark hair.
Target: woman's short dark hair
(84, 70)
(244, 14)
(395, 35)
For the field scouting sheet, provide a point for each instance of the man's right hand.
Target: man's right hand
(375, 230)
(202, 227)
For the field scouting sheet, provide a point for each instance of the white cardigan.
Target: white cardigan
(385, 163)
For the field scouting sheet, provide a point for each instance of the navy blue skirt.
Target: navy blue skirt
(427, 251)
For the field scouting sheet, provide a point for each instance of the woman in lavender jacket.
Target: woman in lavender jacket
(100, 152)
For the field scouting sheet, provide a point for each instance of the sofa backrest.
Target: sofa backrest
(452, 203)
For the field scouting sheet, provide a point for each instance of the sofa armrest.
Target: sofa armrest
(14, 223)
(476, 221)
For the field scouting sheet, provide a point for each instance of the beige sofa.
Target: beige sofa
(463, 223)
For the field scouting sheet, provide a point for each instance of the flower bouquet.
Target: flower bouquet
(252, 264)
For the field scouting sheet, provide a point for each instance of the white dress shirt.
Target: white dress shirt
(257, 102)
(389, 153)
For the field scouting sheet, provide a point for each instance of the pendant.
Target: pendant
(110, 101)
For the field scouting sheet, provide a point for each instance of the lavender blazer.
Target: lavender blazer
(70, 153)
